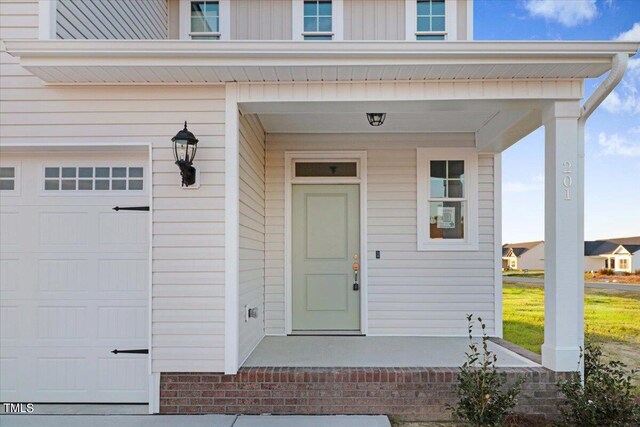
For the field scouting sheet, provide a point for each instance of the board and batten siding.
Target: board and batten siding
(188, 225)
(252, 232)
(374, 20)
(410, 292)
(112, 19)
(261, 19)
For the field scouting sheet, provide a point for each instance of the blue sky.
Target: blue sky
(612, 159)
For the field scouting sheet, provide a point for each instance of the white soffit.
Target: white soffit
(164, 61)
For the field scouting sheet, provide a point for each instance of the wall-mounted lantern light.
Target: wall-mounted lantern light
(185, 145)
(376, 119)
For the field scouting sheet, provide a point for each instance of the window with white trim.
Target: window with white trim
(447, 199)
(8, 178)
(89, 178)
(430, 20)
(318, 20)
(205, 20)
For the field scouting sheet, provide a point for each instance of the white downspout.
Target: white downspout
(618, 68)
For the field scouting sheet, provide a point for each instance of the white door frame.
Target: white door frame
(289, 158)
(80, 147)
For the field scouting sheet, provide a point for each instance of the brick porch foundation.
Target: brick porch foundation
(409, 393)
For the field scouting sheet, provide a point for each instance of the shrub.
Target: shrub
(605, 398)
(606, 272)
(484, 397)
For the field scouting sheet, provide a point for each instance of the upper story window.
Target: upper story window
(430, 20)
(447, 199)
(205, 19)
(317, 19)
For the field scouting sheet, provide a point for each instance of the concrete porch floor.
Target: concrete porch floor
(352, 351)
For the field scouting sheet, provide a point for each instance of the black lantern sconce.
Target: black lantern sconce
(185, 145)
(376, 119)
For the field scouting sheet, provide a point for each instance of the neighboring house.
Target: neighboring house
(524, 256)
(308, 215)
(509, 259)
(619, 255)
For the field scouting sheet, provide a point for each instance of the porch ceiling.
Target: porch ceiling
(428, 122)
(164, 61)
(414, 117)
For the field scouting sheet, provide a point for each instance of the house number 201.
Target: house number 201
(567, 179)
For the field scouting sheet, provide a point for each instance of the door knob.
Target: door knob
(356, 268)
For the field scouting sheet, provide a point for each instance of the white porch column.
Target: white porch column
(564, 236)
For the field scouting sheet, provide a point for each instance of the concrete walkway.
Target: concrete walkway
(594, 285)
(193, 421)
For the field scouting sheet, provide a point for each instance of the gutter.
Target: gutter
(514, 51)
(618, 68)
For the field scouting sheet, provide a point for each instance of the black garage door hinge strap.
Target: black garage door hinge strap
(131, 208)
(137, 351)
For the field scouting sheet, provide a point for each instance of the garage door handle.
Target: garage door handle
(138, 351)
(131, 208)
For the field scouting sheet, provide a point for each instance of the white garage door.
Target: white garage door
(74, 277)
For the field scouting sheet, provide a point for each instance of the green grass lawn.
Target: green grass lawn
(610, 317)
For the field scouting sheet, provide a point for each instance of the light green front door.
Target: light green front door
(325, 239)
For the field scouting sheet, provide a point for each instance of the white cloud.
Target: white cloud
(633, 35)
(616, 145)
(566, 12)
(626, 97)
(515, 187)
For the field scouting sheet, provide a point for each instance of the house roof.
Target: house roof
(632, 248)
(505, 251)
(634, 240)
(187, 61)
(599, 247)
(520, 248)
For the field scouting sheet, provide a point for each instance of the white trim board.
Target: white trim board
(231, 230)
(361, 158)
(497, 236)
(47, 19)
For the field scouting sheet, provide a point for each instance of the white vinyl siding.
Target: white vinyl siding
(188, 225)
(111, 19)
(378, 20)
(261, 20)
(252, 232)
(409, 292)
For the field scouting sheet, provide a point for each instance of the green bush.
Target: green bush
(484, 397)
(606, 272)
(605, 398)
